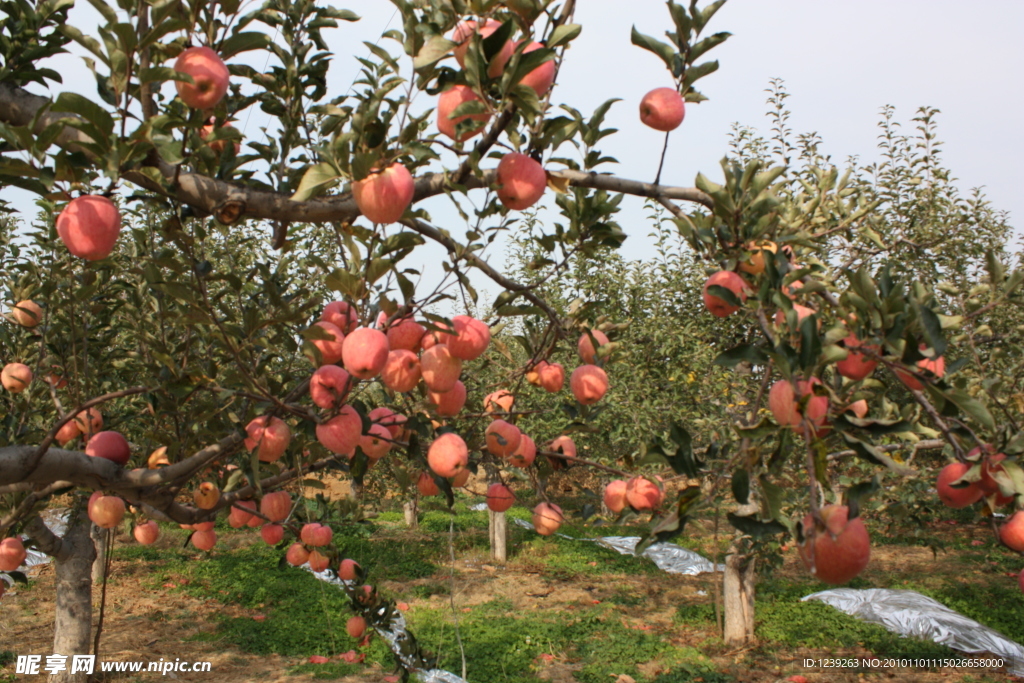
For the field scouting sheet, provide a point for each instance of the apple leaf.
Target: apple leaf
(738, 354)
(741, 485)
(316, 179)
(663, 50)
(754, 527)
(435, 49)
(564, 34)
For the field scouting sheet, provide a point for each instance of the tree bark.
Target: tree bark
(99, 565)
(411, 516)
(73, 559)
(499, 536)
(738, 597)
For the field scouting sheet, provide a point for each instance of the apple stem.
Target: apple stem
(661, 164)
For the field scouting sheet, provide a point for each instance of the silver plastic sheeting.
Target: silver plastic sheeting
(397, 636)
(56, 520)
(669, 557)
(911, 614)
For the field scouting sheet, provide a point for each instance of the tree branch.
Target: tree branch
(18, 107)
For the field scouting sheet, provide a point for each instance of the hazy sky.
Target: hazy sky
(841, 62)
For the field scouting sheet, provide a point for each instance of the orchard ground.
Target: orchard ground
(560, 610)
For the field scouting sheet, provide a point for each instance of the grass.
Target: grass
(597, 641)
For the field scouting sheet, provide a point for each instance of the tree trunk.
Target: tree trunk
(738, 597)
(411, 518)
(99, 565)
(72, 627)
(499, 536)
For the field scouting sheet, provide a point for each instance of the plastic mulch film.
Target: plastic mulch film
(669, 557)
(56, 520)
(911, 614)
(398, 639)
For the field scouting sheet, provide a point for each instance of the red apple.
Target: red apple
(499, 497)
(329, 386)
(502, 438)
(525, 453)
(585, 346)
(315, 534)
(662, 109)
(856, 365)
(448, 455)
(12, 554)
(449, 403)
(589, 384)
(272, 534)
(441, 369)
(342, 432)
(377, 443)
(731, 281)
(541, 78)
(547, 517)
(348, 570)
(936, 366)
(276, 506)
(462, 34)
(146, 533)
(296, 555)
(341, 314)
(386, 417)
(615, 495)
(88, 226)
(330, 349)
(841, 551)
(957, 497)
(1012, 533)
(383, 196)
(643, 494)
(426, 485)
(470, 338)
(405, 334)
(209, 75)
(402, 371)
(109, 445)
(500, 401)
(521, 181)
(106, 512)
(448, 102)
(270, 435)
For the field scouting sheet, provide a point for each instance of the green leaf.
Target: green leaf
(87, 110)
(663, 50)
(706, 44)
(695, 73)
(995, 269)
(972, 406)
(932, 328)
(737, 354)
(316, 179)
(856, 494)
(741, 485)
(434, 50)
(243, 42)
(563, 35)
(754, 527)
(725, 295)
(772, 496)
(810, 342)
(871, 454)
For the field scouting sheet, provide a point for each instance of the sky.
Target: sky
(840, 61)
